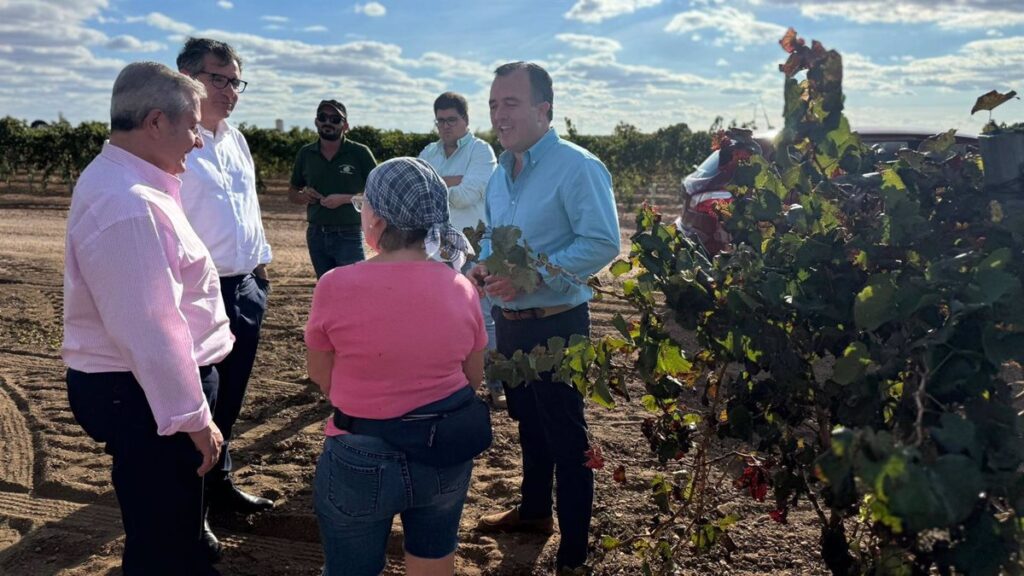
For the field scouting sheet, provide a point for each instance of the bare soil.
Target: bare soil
(58, 514)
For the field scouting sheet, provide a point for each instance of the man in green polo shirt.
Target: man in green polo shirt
(327, 174)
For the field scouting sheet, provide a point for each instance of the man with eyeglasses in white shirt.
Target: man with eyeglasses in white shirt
(218, 195)
(465, 163)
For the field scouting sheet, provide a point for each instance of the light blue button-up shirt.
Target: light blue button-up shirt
(473, 159)
(562, 201)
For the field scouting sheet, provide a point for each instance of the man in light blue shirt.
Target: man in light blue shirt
(560, 196)
(465, 163)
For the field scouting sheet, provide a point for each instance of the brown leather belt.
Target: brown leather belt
(535, 313)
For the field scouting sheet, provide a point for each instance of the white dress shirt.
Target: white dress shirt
(218, 194)
(140, 292)
(474, 160)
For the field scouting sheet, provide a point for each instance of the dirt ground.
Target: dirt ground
(58, 514)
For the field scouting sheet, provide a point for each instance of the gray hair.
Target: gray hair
(190, 59)
(146, 86)
(540, 82)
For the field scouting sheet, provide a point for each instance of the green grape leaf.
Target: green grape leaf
(620, 267)
(876, 303)
(671, 361)
(939, 144)
(991, 100)
(850, 368)
(958, 482)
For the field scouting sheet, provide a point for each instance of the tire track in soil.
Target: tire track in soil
(16, 450)
(66, 462)
(105, 520)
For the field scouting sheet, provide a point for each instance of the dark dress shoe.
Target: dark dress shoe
(231, 499)
(213, 547)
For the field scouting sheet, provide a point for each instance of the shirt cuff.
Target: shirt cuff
(558, 282)
(191, 422)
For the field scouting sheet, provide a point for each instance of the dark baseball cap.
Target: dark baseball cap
(333, 104)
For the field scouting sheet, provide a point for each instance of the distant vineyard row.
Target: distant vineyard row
(61, 151)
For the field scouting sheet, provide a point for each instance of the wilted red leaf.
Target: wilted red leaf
(758, 491)
(790, 41)
(620, 474)
(755, 480)
(991, 99)
(717, 139)
(779, 515)
(595, 461)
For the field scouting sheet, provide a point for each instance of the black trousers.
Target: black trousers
(245, 300)
(154, 477)
(552, 433)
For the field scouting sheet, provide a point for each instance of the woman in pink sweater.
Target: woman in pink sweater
(386, 337)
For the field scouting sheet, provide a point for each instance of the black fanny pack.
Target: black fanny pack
(443, 433)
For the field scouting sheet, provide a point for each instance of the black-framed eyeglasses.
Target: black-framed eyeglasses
(220, 81)
(449, 121)
(357, 202)
(332, 118)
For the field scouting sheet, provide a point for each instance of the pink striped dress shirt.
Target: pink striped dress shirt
(141, 293)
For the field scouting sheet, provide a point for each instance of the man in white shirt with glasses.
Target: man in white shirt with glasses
(465, 163)
(218, 195)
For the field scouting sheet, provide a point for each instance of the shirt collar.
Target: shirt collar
(341, 143)
(466, 139)
(151, 175)
(533, 154)
(222, 130)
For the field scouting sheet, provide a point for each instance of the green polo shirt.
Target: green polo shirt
(344, 174)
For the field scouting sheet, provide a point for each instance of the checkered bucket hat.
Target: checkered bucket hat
(409, 195)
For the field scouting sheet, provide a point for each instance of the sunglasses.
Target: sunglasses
(357, 202)
(332, 118)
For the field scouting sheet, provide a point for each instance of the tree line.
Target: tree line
(60, 151)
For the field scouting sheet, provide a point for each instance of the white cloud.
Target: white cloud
(372, 9)
(980, 65)
(449, 67)
(734, 27)
(225, 4)
(277, 19)
(126, 43)
(590, 43)
(32, 23)
(162, 22)
(721, 62)
(316, 28)
(595, 11)
(948, 15)
(605, 71)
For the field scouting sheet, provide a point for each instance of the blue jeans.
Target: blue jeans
(362, 482)
(333, 246)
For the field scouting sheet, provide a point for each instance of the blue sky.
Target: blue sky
(650, 63)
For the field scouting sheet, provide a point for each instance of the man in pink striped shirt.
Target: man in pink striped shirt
(144, 321)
